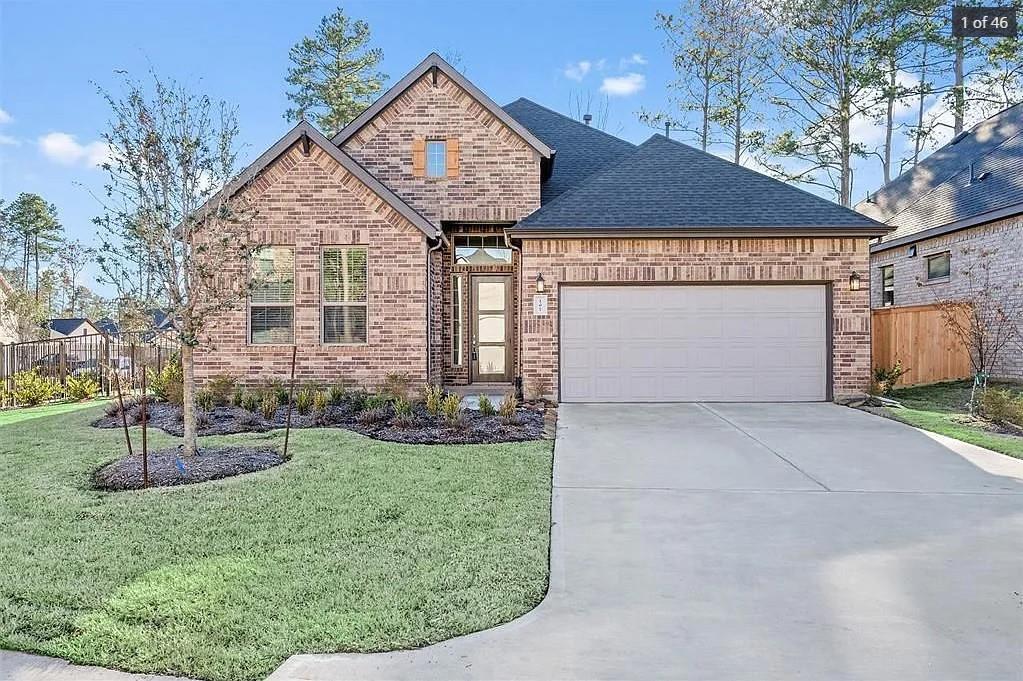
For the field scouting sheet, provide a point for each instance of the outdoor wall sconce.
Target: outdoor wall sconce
(539, 283)
(854, 282)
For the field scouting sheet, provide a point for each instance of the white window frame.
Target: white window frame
(458, 320)
(251, 304)
(323, 295)
(433, 144)
(884, 288)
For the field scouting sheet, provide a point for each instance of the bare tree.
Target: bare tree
(170, 192)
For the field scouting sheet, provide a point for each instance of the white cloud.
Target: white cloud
(5, 117)
(65, 149)
(7, 140)
(623, 86)
(635, 60)
(578, 70)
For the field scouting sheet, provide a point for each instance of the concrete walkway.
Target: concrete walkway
(756, 542)
(24, 667)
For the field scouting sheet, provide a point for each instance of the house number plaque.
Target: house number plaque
(540, 305)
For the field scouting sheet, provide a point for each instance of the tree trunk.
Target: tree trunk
(918, 141)
(37, 266)
(959, 91)
(889, 122)
(845, 190)
(188, 406)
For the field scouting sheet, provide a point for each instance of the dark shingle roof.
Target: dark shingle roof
(938, 191)
(667, 184)
(66, 326)
(581, 149)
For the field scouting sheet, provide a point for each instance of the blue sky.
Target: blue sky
(52, 52)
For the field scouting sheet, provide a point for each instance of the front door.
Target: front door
(491, 328)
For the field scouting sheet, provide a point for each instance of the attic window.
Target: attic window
(436, 158)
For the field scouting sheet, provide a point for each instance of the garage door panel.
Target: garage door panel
(678, 343)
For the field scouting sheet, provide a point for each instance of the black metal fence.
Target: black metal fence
(97, 355)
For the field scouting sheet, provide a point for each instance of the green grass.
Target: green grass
(939, 407)
(353, 545)
(11, 416)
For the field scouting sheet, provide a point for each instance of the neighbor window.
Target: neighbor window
(888, 285)
(939, 266)
(344, 280)
(458, 320)
(436, 158)
(272, 296)
(482, 249)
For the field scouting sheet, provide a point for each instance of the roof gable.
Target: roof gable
(667, 185)
(434, 61)
(68, 326)
(582, 149)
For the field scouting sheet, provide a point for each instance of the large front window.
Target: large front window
(344, 276)
(272, 296)
(481, 249)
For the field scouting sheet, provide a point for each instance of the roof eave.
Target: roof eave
(966, 223)
(435, 61)
(859, 231)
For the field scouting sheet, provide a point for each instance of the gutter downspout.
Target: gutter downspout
(518, 320)
(441, 241)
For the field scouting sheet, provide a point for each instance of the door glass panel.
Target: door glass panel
(490, 295)
(491, 328)
(491, 359)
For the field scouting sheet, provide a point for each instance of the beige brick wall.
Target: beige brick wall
(1002, 240)
(499, 174)
(312, 202)
(702, 260)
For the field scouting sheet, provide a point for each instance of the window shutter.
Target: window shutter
(452, 157)
(419, 158)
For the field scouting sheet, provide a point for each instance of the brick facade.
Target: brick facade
(1002, 239)
(701, 260)
(499, 174)
(312, 202)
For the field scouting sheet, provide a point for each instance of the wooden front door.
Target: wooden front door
(492, 325)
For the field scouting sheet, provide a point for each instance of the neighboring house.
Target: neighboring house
(963, 200)
(68, 328)
(442, 236)
(8, 322)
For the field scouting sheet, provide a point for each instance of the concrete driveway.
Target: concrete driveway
(755, 541)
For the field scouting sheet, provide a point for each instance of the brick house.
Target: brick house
(962, 201)
(465, 244)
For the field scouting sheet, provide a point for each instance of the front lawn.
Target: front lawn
(941, 408)
(352, 545)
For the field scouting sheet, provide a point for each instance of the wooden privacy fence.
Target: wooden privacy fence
(918, 338)
(90, 354)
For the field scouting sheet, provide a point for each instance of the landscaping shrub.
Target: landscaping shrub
(486, 406)
(114, 408)
(336, 395)
(433, 395)
(279, 390)
(508, 410)
(168, 383)
(6, 398)
(452, 409)
(250, 402)
(304, 400)
(320, 401)
(396, 385)
(221, 387)
(538, 387)
(402, 407)
(31, 388)
(239, 396)
(885, 378)
(377, 401)
(205, 400)
(1002, 406)
(268, 407)
(84, 387)
(368, 417)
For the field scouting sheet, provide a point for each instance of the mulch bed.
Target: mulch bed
(168, 468)
(425, 428)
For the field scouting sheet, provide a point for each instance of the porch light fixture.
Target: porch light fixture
(854, 282)
(539, 283)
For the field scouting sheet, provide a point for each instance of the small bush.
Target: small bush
(486, 406)
(168, 383)
(250, 402)
(539, 387)
(84, 387)
(376, 401)
(238, 399)
(221, 387)
(452, 409)
(396, 385)
(885, 378)
(368, 417)
(269, 404)
(205, 400)
(114, 408)
(433, 395)
(336, 395)
(508, 410)
(402, 407)
(31, 388)
(304, 401)
(1002, 406)
(320, 401)
(279, 390)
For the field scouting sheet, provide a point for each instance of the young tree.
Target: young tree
(39, 234)
(333, 73)
(170, 192)
(72, 260)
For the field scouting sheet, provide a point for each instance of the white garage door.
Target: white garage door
(689, 343)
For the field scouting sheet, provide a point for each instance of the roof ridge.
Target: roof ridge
(732, 164)
(569, 118)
